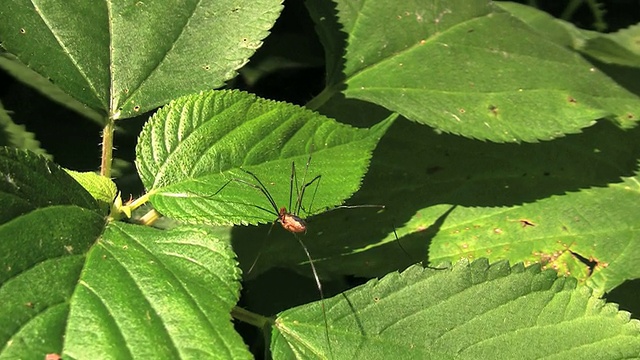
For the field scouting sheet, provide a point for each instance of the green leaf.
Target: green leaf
(628, 39)
(619, 48)
(561, 188)
(468, 68)
(71, 286)
(47, 223)
(126, 58)
(17, 136)
(562, 233)
(36, 304)
(28, 76)
(190, 156)
(609, 48)
(451, 197)
(540, 21)
(102, 189)
(147, 293)
(29, 183)
(424, 313)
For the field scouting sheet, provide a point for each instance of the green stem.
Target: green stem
(570, 9)
(321, 99)
(107, 148)
(248, 317)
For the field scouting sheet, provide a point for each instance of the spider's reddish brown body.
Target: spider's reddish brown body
(290, 222)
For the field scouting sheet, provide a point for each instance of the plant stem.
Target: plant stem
(107, 148)
(248, 317)
(570, 9)
(321, 99)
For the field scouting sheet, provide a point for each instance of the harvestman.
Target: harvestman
(291, 220)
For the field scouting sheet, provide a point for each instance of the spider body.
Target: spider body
(290, 222)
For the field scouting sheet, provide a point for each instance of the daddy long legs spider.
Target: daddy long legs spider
(291, 219)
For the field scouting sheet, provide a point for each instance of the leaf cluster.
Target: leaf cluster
(467, 171)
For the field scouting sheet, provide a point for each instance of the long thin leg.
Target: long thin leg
(262, 188)
(409, 255)
(300, 190)
(306, 168)
(291, 180)
(303, 189)
(262, 246)
(400, 244)
(223, 186)
(354, 207)
(317, 279)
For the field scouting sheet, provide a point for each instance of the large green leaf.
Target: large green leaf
(47, 223)
(465, 67)
(463, 198)
(517, 313)
(192, 153)
(146, 293)
(124, 58)
(567, 233)
(73, 285)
